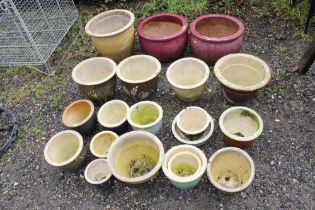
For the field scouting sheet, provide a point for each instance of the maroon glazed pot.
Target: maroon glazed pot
(214, 36)
(163, 36)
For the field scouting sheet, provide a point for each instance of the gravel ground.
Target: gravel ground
(283, 154)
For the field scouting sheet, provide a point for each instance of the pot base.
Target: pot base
(239, 144)
(236, 98)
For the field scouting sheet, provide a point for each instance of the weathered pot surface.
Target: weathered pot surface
(188, 77)
(240, 126)
(184, 164)
(101, 143)
(112, 33)
(97, 173)
(230, 170)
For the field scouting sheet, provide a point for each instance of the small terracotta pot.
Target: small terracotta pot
(96, 78)
(98, 174)
(188, 77)
(139, 76)
(113, 33)
(101, 143)
(80, 116)
(65, 150)
(241, 75)
(231, 170)
(215, 35)
(240, 126)
(163, 35)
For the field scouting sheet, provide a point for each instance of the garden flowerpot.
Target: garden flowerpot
(215, 35)
(101, 143)
(184, 166)
(188, 77)
(113, 33)
(163, 36)
(139, 76)
(65, 150)
(96, 78)
(98, 174)
(136, 157)
(113, 116)
(80, 116)
(231, 170)
(146, 115)
(240, 126)
(241, 75)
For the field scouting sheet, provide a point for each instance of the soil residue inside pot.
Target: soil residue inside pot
(161, 28)
(144, 115)
(184, 170)
(217, 27)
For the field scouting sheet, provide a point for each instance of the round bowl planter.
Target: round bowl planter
(184, 182)
(215, 35)
(136, 157)
(80, 116)
(65, 150)
(96, 78)
(164, 36)
(101, 143)
(98, 174)
(240, 126)
(188, 77)
(113, 116)
(146, 115)
(231, 170)
(139, 76)
(241, 75)
(113, 33)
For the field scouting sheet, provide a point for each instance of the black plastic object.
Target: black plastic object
(13, 126)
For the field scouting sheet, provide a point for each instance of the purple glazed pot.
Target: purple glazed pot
(214, 36)
(163, 36)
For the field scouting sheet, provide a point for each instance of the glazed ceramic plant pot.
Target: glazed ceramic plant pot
(139, 76)
(80, 116)
(101, 143)
(146, 116)
(188, 77)
(240, 126)
(98, 174)
(96, 78)
(215, 35)
(65, 150)
(113, 116)
(241, 75)
(113, 33)
(163, 36)
(136, 157)
(231, 170)
(184, 166)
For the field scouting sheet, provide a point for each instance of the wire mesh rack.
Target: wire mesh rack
(31, 30)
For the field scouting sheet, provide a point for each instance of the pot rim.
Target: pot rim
(108, 176)
(84, 120)
(134, 57)
(110, 12)
(239, 138)
(233, 86)
(143, 22)
(187, 87)
(240, 151)
(94, 139)
(116, 101)
(130, 121)
(77, 68)
(145, 177)
(70, 160)
(229, 38)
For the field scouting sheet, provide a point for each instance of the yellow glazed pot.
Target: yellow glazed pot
(113, 33)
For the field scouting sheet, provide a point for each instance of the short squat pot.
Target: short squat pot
(98, 174)
(231, 170)
(188, 77)
(163, 36)
(113, 33)
(101, 143)
(215, 35)
(80, 116)
(240, 126)
(139, 76)
(146, 115)
(65, 150)
(96, 78)
(241, 75)
(136, 157)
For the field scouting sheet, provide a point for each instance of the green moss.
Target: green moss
(184, 170)
(145, 114)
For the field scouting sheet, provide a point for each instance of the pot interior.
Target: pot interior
(102, 143)
(216, 27)
(98, 171)
(144, 114)
(184, 164)
(162, 26)
(113, 113)
(77, 113)
(193, 119)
